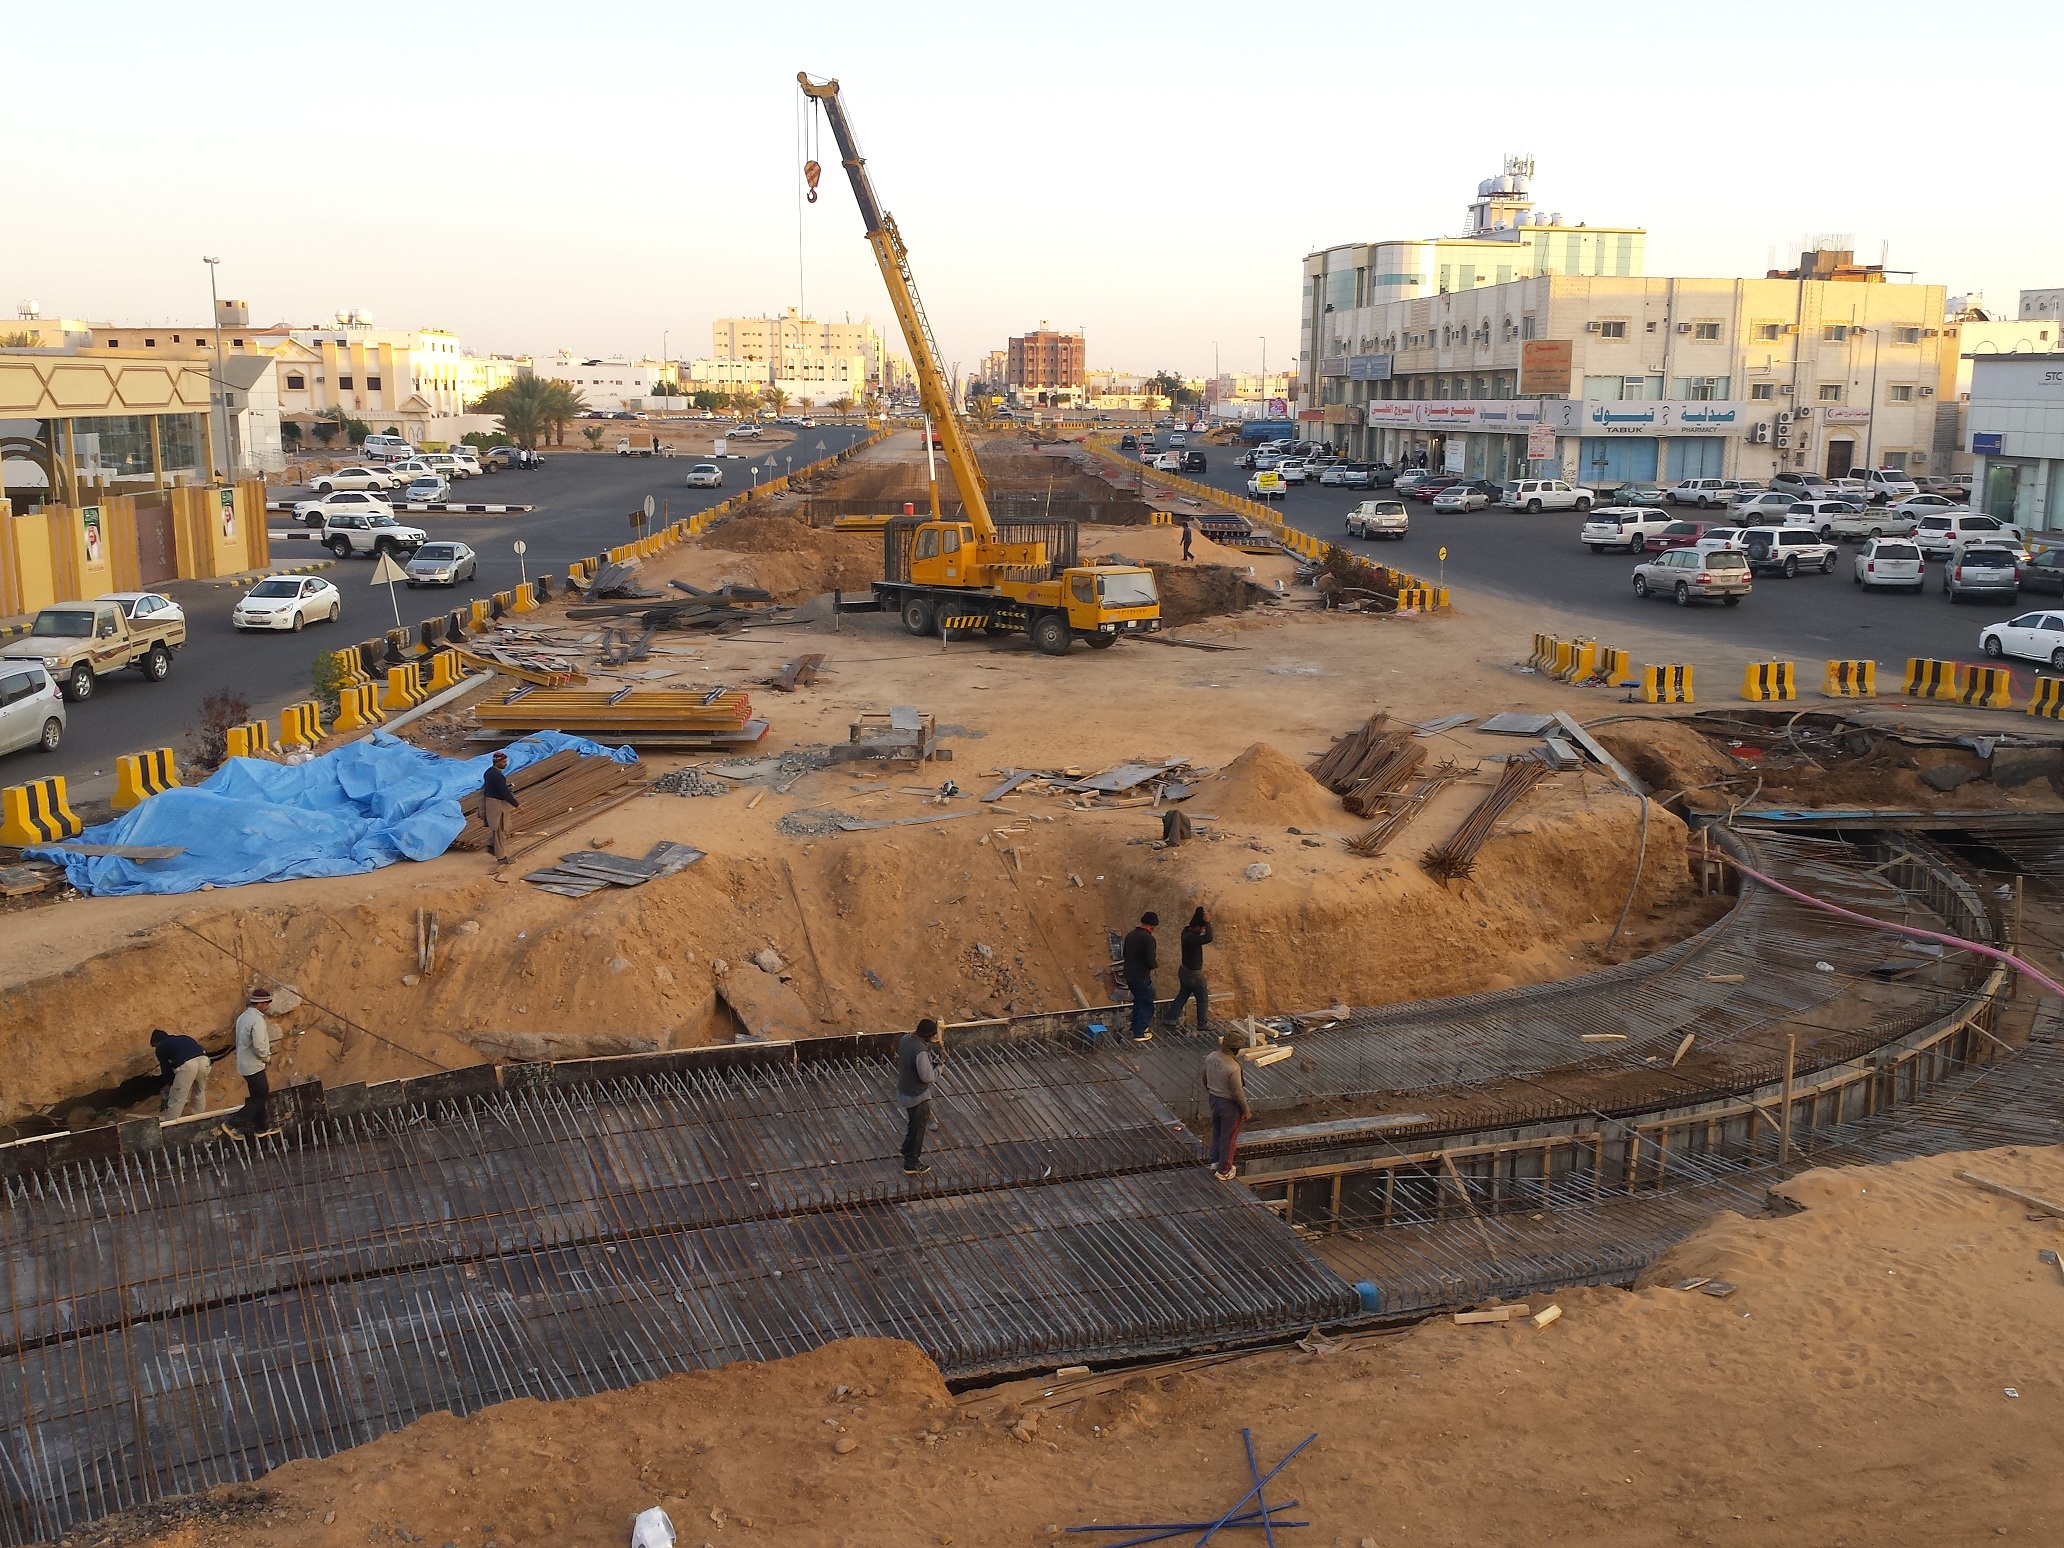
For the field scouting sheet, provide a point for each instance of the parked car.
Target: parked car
(351, 502)
(705, 475)
(1426, 488)
(1621, 526)
(1980, 571)
(2032, 637)
(1752, 506)
(1891, 561)
(352, 478)
(1291, 470)
(442, 564)
(1915, 506)
(1646, 495)
(1247, 459)
(408, 469)
(2044, 571)
(1957, 489)
(1265, 484)
(1347, 474)
(1714, 538)
(386, 448)
(145, 607)
(1193, 462)
(1883, 485)
(463, 459)
(1787, 550)
(445, 463)
(1409, 479)
(287, 602)
(1379, 519)
(1547, 494)
(1470, 495)
(1846, 519)
(32, 712)
(502, 457)
(1686, 576)
(1678, 534)
(1706, 493)
(79, 643)
(346, 533)
(427, 489)
(1941, 535)
(1806, 486)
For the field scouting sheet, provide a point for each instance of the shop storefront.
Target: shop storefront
(2016, 428)
(1639, 442)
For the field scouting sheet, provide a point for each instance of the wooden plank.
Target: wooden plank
(2019, 1197)
(1494, 1314)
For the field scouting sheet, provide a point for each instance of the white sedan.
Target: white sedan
(352, 478)
(1915, 506)
(2032, 637)
(287, 602)
(145, 607)
(705, 475)
(345, 502)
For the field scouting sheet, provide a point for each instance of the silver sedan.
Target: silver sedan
(441, 564)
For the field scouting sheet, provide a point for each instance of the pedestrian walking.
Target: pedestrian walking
(1188, 529)
(1189, 975)
(185, 1065)
(918, 1057)
(498, 805)
(253, 1052)
(1225, 1084)
(1139, 956)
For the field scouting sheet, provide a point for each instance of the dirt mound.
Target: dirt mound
(789, 557)
(1264, 786)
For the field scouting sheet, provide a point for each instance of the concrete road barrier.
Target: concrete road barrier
(139, 776)
(445, 672)
(1987, 688)
(404, 689)
(358, 709)
(1543, 657)
(1614, 666)
(1669, 684)
(1851, 680)
(1574, 659)
(250, 739)
(1927, 678)
(37, 813)
(1766, 682)
(2049, 698)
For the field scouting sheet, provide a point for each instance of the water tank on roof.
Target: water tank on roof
(1484, 188)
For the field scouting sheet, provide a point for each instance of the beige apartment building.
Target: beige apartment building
(788, 345)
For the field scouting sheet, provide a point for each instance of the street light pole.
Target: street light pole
(1870, 425)
(221, 393)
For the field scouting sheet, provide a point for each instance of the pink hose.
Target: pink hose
(1915, 931)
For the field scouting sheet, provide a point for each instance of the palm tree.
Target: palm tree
(524, 407)
(844, 406)
(564, 403)
(774, 398)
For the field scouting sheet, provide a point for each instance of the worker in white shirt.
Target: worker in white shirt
(253, 1052)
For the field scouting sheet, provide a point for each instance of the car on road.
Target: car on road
(1976, 571)
(1890, 561)
(743, 432)
(287, 602)
(1424, 489)
(1682, 534)
(1548, 494)
(1178, 439)
(145, 607)
(2044, 571)
(427, 489)
(2032, 637)
(1291, 470)
(1787, 550)
(441, 564)
(1379, 519)
(1193, 462)
(705, 475)
(1915, 506)
(1409, 479)
(1708, 493)
(345, 502)
(1803, 486)
(1470, 495)
(1650, 495)
(1884, 485)
(1347, 475)
(79, 643)
(1128, 443)
(1247, 459)
(1948, 488)
(1166, 462)
(1685, 576)
(352, 478)
(1941, 535)
(1753, 506)
(1714, 538)
(1846, 519)
(1265, 484)
(32, 712)
(346, 533)
(1622, 526)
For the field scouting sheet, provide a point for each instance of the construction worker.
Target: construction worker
(1138, 957)
(1226, 1086)
(1188, 530)
(918, 1057)
(185, 1064)
(253, 1052)
(1189, 976)
(497, 806)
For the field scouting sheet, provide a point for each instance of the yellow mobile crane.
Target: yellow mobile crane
(1020, 577)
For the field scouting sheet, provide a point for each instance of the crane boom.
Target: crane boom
(894, 260)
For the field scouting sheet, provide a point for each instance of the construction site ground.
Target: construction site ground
(1881, 1375)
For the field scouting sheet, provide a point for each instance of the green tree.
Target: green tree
(528, 408)
(844, 405)
(709, 400)
(774, 398)
(594, 434)
(20, 338)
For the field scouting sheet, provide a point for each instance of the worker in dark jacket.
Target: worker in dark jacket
(185, 1066)
(497, 806)
(1138, 957)
(1189, 977)
(918, 1057)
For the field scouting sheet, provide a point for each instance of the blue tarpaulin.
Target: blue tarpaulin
(366, 805)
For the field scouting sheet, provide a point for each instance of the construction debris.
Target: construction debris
(555, 794)
(529, 666)
(1456, 859)
(689, 782)
(646, 717)
(1399, 808)
(586, 870)
(904, 735)
(1340, 766)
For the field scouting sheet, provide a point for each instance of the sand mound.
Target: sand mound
(1263, 786)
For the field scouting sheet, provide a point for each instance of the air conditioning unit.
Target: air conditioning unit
(1784, 416)
(1591, 327)
(1927, 333)
(1784, 390)
(1927, 392)
(1791, 328)
(1802, 412)
(1684, 327)
(1759, 433)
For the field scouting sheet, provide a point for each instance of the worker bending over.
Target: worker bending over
(185, 1066)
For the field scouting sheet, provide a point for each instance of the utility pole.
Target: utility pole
(221, 394)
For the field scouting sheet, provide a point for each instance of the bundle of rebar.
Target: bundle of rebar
(1456, 859)
(551, 790)
(718, 714)
(1397, 756)
(1338, 769)
(1400, 807)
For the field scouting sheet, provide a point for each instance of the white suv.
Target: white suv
(1547, 494)
(1706, 493)
(1623, 526)
(1884, 484)
(352, 502)
(1787, 550)
(345, 535)
(1940, 536)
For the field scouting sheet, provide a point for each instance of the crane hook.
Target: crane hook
(811, 172)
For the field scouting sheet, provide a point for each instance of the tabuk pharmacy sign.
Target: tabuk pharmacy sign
(1665, 417)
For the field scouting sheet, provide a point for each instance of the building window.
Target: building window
(114, 343)
(1612, 330)
(150, 343)
(1526, 326)
(1769, 333)
(1899, 394)
(296, 383)
(1830, 392)
(1896, 460)
(233, 343)
(1835, 333)
(1705, 330)
(1762, 392)
(344, 383)
(372, 384)
(1701, 389)
(1906, 335)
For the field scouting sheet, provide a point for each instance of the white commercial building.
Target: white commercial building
(2016, 438)
(612, 385)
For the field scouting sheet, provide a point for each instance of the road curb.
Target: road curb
(256, 576)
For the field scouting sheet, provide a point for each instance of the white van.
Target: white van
(386, 448)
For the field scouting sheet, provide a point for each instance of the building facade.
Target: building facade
(2016, 438)
(819, 379)
(614, 385)
(2041, 304)
(789, 347)
(1046, 364)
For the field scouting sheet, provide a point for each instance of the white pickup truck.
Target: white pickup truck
(1623, 526)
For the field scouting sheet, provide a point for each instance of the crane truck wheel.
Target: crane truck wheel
(1100, 641)
(1050, 634)
(917, 615)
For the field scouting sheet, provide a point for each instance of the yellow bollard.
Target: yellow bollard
(139, 776)
(1764, 682)
(404, 690)
(1850, 680)
(249, 740)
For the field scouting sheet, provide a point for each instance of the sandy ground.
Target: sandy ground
(1883, 1375)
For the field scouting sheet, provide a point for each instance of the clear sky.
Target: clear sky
(607, 176)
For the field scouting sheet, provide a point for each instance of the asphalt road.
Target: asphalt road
(1538, 559)
(583, 500)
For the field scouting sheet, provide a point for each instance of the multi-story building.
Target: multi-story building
(2016, 438)
(1248, 394)
(1969, 334)
(1046, 365)
(614, 384)
(785, 346)
(2043, 304)
(996, 367)
(815, 379)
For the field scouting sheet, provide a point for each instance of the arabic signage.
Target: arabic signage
(1369, 368)
(1501, 416)
(1333, 365)
(1667, 417)
(1540, 444)
(1544, 368)
(1268, 483)
(1845, 416)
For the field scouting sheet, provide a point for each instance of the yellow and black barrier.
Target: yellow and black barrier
(1927, 678)
(250, 739)
(1426, 599)
(1574, 659)
(1851, 680)
(1765, 682)
(358, 709)
(1613, 666)
(1666, 684)
(139, 776)
(445, 672)
(300, 725)
(1986, 687)
(404, 689)
(476, 616)
(2048, 699)
(37, 813)
(1543, 655)
(522, 599)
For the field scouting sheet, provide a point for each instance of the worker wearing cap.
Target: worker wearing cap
(1139, 955)
(253, 1052)
(185, 1066)
(497, 806)
(1226, 1086)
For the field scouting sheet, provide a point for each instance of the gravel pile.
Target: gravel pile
(690, 782)
(812, 822)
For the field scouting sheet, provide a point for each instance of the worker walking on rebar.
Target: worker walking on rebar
(185, 1066)
(919, 1056)
(1189, 976)
(254, 1044)
(1188, 529)
(1138, 957)
(1225, 1084)
(497, 806)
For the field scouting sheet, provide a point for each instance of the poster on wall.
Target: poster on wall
(1540, 443)
(228, 499)
(90, 518)
(1544, 368)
